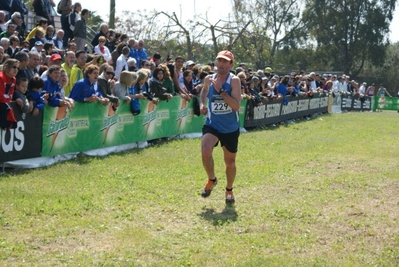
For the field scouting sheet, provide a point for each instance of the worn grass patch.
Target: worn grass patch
(323, 192)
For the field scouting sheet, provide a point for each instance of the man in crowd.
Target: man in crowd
(80, 30)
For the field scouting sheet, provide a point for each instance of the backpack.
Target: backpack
(70, 19)
(59, 7)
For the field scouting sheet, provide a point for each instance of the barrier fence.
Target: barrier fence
(57, 131)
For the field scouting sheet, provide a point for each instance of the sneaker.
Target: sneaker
(206, 192)
(229, 198)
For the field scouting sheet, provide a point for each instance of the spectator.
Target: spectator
(155, 85)
(111, 41)
(127, 79)
(131, 63)
(77, 69)
(141, 51)
(133, 45)
(382, 91)
(37, 38)
(67, 66)
(370, 90)
(58, 42)
(7, 87)
(64, 81)
(80, 30)
(141, 85)
(35, 86)
(42, 9)
(102, 33)
(31, 69)
(65, 8)
(212, 66)
(42, 25)
(18, 21)
(71, 47)
(23, 59)
(145, 64)
(178, 79)
(49, 35)
(48, 49)
(55, 60)
(362, 89)
(106, 84)
(13, 47)
(156, 58)
(38, 47)
(19, 95)
(117, 52)
(188, 81)
(121, 62)
(71, 20)
(86, 90)
(53, 89)
(190, 65)
(101, 49)
(3, 25)
(10, 31)
(167, 81)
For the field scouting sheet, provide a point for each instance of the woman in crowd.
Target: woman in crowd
(127, 79)
(7, 87)
(48, 37)
(85, 90)
(101, 49)
(155, 85)
(53, 89)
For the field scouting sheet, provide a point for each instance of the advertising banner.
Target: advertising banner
(91, 125)
(23, 142)
(274, 111)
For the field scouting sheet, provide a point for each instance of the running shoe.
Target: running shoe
(206, 192)
(229, 198)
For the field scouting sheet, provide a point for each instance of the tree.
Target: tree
(273, 24)
(350, 32)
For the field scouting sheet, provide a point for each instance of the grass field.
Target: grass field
(323, 192)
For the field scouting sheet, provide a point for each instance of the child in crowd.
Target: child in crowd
(35, 86)
(19, 95)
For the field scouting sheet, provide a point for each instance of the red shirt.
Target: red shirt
(7, 86)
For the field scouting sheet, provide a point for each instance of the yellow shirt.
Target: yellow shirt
(68, 70)
(76, 75)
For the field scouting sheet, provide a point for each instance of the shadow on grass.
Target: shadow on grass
(227, 215)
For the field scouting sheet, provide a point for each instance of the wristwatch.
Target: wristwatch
(221, 91)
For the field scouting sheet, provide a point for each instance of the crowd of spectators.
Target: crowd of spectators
(49, 66)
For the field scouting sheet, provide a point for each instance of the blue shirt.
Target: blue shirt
(83, 89)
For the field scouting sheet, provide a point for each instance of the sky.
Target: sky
(188, 8)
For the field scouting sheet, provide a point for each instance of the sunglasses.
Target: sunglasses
(14, 67)
(110, 73)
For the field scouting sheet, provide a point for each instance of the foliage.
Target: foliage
(350, 32)
(308, 194)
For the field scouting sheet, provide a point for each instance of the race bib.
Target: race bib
(220, 107)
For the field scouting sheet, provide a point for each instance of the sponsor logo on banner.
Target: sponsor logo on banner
(149, 116)
(13, 139)
(108, 121)
(182, 113)
(59, 124)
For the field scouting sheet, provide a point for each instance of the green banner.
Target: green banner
(385, 103)
(91, 125)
